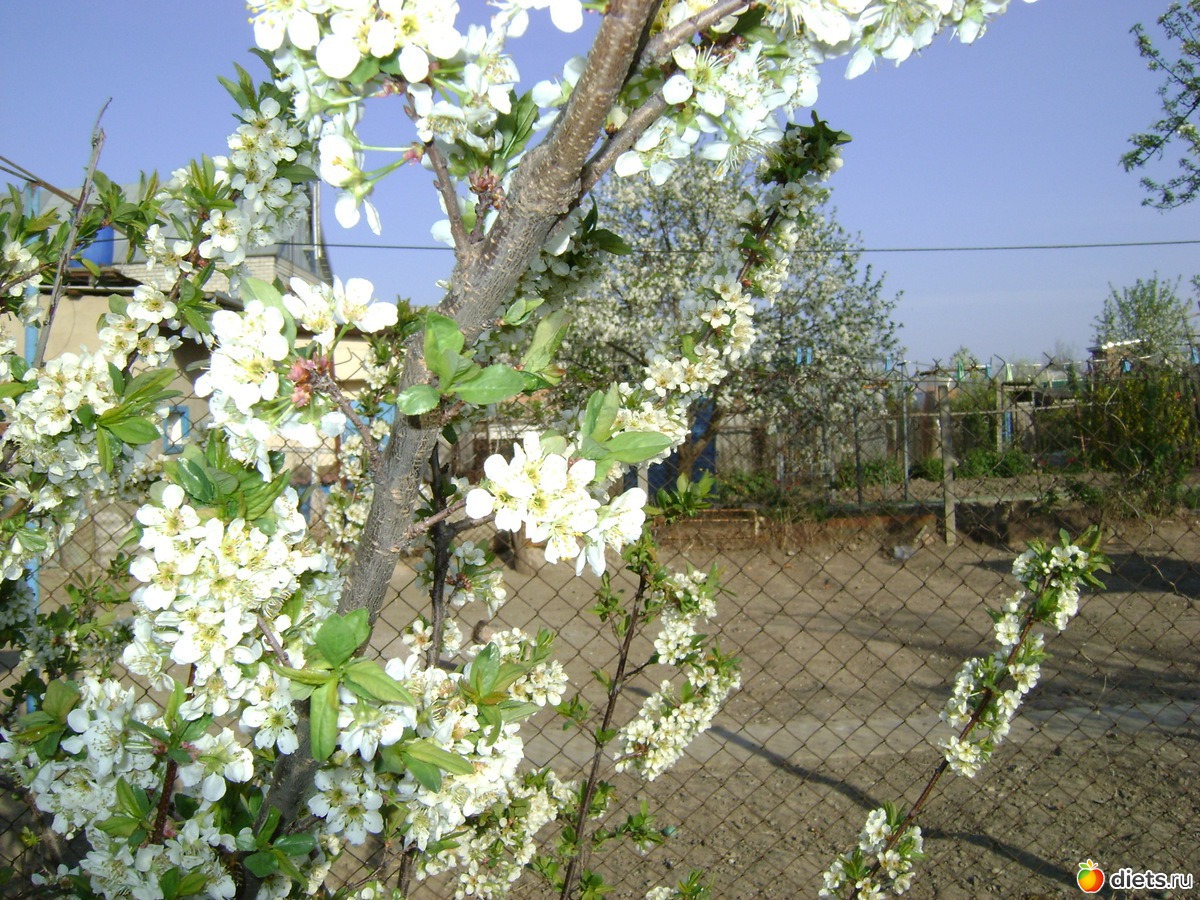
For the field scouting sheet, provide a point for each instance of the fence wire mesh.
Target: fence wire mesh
(860, 546)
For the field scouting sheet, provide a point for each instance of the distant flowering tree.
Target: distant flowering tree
(272, 735)
(827, 330)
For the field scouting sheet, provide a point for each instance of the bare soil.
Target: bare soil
(848, 653)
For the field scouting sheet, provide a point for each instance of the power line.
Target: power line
(973, 249)
(982, 248)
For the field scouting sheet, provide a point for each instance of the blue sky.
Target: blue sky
(1014, 140)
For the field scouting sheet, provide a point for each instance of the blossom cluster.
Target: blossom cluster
(20, 274)
(57, 463)
(669, 720)
(107, 753)
(495, 852)
(256, 193)
(206, 584)
(886, 838)
(980, 709)
(553, 495)
(471, 576)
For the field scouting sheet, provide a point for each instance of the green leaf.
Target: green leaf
(130, 800)
(484, 670)
(417, 399)
(12, 389)
(428, 775)
(296, 844)
(168, 883)
(339, 636)
(132, 431)
(491, 385)
(546, 340)
(515, 710)
(61, 697)
(192, 883)
(193, 479)
(323, 715)
(314, 677)
(120, 825)
(428, 752)
(516, 125)
(104, 449)
(610, 242)
(262, 864)
(636, 446)
(443, 344)
(368, 679)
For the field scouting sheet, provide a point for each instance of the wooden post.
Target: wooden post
(946, 427)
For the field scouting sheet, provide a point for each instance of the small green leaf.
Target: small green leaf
(426, 751)
(417, 399)
(428, 775)
(339, 636)
(262, 864)
(296, 844)
(443, 342)
(132, 431)
(636, 446)
(610, 242)
(61, 697)
(323, 715)
(546, 340)
(491, 385)
(368, 679)
(484, 670)
(314, 677)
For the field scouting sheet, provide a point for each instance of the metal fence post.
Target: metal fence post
(946, 427)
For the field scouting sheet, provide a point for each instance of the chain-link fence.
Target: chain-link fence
(861, 548)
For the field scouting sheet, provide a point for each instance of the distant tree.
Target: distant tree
(1179, 62)
(1150, 311)
(828, 328)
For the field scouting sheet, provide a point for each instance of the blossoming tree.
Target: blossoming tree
(827, 330)
(247, 733)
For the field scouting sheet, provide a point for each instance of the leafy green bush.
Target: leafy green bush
(740, 488)
(928, 469)
(984, 462)
(1143, 426)
(874, 471)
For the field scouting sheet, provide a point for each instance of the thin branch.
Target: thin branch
(445, 186)
(666, 42)
(273, 640)
(625, 137)
(13, 168)
(65, 257)
(616, 686)
(333, 390)
(420, 527)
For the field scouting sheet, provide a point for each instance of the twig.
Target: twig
(164, 800)
(445, 186)
(333, 390)
(614, 693)
(420, 527)
(624, 138)
(441, 563)
(273, 640)
(64, 258)
(666, 42)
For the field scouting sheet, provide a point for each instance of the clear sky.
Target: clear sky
(1014, 140)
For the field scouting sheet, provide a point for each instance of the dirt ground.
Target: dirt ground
(847, 656)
